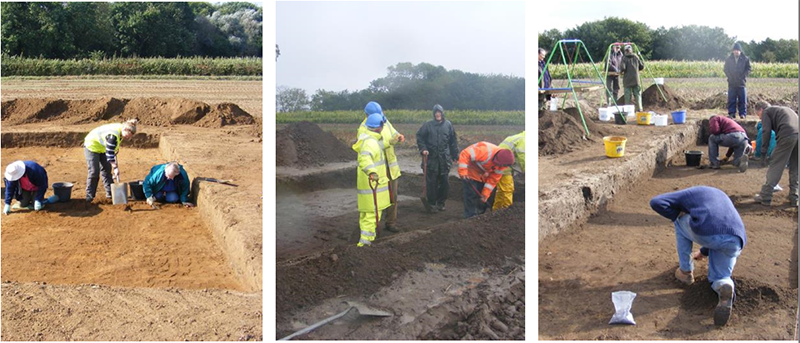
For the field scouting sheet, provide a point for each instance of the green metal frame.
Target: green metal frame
(559, 46)
(638, 53)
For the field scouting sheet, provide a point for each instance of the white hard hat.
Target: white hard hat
(14, 171)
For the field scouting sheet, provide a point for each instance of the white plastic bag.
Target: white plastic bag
(623, 300)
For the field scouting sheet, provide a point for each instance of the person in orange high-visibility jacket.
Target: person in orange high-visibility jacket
(480, 167)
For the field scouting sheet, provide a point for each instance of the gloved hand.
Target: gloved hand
(373, 177)
(6, 209)
(116, 173)
(188, 205)
(37, 205)
(151, 200)
(463, 177)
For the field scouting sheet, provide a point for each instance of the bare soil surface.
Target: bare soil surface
(627, 246)
(246, 94)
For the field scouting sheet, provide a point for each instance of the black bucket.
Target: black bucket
(619, 118)
(693, 158)
(63, 190)
(137, 190)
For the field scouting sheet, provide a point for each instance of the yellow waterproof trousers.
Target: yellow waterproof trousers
(505, 193)
(366, 221)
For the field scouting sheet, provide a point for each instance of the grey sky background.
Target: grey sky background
(345, 45)
(747, 20)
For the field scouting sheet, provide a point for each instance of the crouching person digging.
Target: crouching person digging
(167, 183)
(706, 216)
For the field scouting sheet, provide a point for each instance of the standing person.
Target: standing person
(728, 133)
(706, 216)
(101, 146)
(505, 188)
(480, 167)
(630, 67)
(390, 138)
(371, 174)
(168, 183)
(737, 68)
(25, 181)
(612, 78)
(437, 140)
(543, 98)
(784, 122)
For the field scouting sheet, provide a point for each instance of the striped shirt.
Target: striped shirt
(111, 146)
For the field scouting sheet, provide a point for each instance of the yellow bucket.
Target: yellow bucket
(643, 118)
(615, 146)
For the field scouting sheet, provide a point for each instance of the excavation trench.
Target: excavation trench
(101, 243)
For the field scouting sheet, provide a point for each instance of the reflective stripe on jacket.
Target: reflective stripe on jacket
(95, 141)
(370, 151)
(389, 138)
(476, 162)
(516, 144)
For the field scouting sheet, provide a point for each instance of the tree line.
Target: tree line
(409, 86)
(67, 30)
(685, 43)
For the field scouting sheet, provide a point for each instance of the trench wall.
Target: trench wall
(573, 202)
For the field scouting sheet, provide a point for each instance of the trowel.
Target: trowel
(360, 309)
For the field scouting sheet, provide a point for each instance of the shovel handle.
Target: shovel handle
(375, 203)
(424, 175)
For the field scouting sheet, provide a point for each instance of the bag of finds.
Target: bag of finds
(622, 305)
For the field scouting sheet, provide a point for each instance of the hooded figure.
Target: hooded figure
(437, 140)
(737, 68)
(630, 67)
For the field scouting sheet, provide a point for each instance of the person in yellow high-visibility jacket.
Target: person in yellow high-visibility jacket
(505, 188)
(101, 147)
(390, 138)
(371, 170)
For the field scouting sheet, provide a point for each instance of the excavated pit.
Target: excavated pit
(100, 243)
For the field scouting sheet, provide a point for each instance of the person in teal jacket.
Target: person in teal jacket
(168, 183)
(758, 142)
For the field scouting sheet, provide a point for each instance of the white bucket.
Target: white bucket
(630, 110)
(553, 104)
(605, 114)
(661, 120)
(659, 80)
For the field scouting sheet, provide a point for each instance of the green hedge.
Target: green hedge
(464, 117)
(684, 69)
(16, 66)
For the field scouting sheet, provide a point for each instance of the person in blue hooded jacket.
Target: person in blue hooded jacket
(25, 181)
(168, 183)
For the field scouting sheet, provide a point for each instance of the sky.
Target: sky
(345, 45)
(747, 20)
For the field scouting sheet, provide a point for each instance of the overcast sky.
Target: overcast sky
(747, 20)
(345, 45)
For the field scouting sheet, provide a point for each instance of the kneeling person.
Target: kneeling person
(168, 183)
(728, 133)
(25, 181)
(480, 167)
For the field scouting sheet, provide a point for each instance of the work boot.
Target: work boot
(440, 207)
(743, 162)
(759, 199)
(392, 228)
(714, 166)
(686, 278)
(723, 311)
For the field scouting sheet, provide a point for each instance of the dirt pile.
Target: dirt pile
(651, 98)
(352, 271)
(492, 315)
(562, 131)
(305, 144)
(150, 111)
(753, 298)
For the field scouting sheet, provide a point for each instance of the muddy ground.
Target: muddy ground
(627, 246)
(169, 274)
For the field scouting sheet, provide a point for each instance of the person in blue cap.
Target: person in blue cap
(25, 181)
(390, 138)
(372, 182)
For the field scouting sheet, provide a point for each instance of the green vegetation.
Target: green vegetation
(466, 117)
(16, 66)
(684, 69)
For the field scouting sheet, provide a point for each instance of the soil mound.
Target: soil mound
(351, 271)
(753, 298)
(651, 98)
(562, 131)
(150, 111)
(305, 144)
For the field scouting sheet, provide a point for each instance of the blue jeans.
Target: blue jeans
(737, 95)
(736, 140)
(722, 254)
(169, 197)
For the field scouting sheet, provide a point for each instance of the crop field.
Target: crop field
(456, 117)
(18, 66)
(682, 69)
